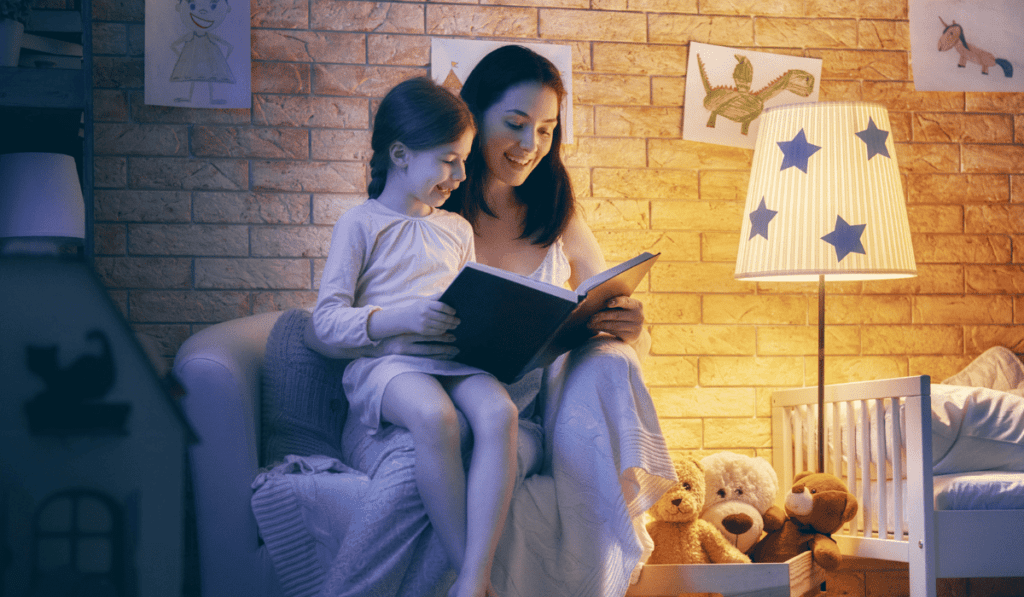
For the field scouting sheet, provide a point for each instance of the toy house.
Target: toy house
(93, 447)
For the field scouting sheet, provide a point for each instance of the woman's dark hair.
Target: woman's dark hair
(420, 114)
(547, 192)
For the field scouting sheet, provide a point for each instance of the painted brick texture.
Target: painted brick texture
(208, 215)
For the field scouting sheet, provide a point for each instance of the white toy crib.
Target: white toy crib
(934, 543)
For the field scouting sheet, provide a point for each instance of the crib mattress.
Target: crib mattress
(980, 490)
(983, 490)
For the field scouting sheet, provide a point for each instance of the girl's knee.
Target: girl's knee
(437, 422)
(498, 415)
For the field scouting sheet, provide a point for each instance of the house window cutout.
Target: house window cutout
(79, 543)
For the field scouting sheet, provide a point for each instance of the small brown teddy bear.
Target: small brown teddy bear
(818, 505)
(680, 536)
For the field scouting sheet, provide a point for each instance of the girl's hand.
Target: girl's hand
(622, 317)
(430, 318)
(424, 317)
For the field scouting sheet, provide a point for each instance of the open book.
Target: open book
(511, 324)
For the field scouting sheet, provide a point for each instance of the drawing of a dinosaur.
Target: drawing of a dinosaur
(953, 37)
(741, 105)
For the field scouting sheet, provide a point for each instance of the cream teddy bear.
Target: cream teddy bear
(740, 497)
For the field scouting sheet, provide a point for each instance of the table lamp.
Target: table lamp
(825, 203)
(42, 211)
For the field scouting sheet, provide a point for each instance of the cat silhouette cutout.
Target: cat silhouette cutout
(72, 401)
(88, 378)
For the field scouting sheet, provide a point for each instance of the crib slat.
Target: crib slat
(897, 469)
(837, 440)
(811, 424)
(851, 462)
(798, 438)
(865, 469)
(881, 495)
(784, 453)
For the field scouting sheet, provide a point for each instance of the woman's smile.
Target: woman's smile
(525, 161)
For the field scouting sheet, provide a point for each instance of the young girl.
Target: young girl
(390, 259)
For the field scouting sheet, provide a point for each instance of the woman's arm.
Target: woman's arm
(624, 316)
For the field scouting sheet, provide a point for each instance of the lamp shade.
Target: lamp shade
(825, 197)
(40, 196)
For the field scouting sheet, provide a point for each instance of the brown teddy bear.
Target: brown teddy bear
(818, 505)
(680, 536)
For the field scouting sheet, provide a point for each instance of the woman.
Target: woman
(576, 528)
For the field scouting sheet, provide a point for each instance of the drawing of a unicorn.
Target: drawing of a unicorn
(953, 37)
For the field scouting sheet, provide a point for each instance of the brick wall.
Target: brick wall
(207, 215)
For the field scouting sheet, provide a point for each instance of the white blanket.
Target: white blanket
(573, 529)
(577, 528)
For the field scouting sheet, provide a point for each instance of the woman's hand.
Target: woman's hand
(622, 317)
(437, 347)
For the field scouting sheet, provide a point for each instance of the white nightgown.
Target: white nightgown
(380, 258)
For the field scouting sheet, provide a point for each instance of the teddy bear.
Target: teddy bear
(679, 534)
(818, 505)
(740, 497)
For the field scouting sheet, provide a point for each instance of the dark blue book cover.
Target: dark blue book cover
(512, 324)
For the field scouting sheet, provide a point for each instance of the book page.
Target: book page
(525, 281)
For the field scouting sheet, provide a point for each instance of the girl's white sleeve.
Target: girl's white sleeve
(336, 321)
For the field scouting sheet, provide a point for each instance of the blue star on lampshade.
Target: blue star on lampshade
(874, 138)
(797, 152)
(759, 219)
(845, 238)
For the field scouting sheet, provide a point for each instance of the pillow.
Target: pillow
(984, 429)
(998, 368)
(303, 403)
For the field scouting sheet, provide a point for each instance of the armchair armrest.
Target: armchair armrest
(220, 369)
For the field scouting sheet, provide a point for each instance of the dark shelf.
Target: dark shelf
(50, 109)
(42, 87)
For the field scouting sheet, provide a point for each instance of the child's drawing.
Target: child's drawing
(738, 103)
(727, 90)
(953, 37)
(202, 55)
(985, 35)
(197, 53)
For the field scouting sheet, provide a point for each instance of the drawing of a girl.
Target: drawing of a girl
(200, 54)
